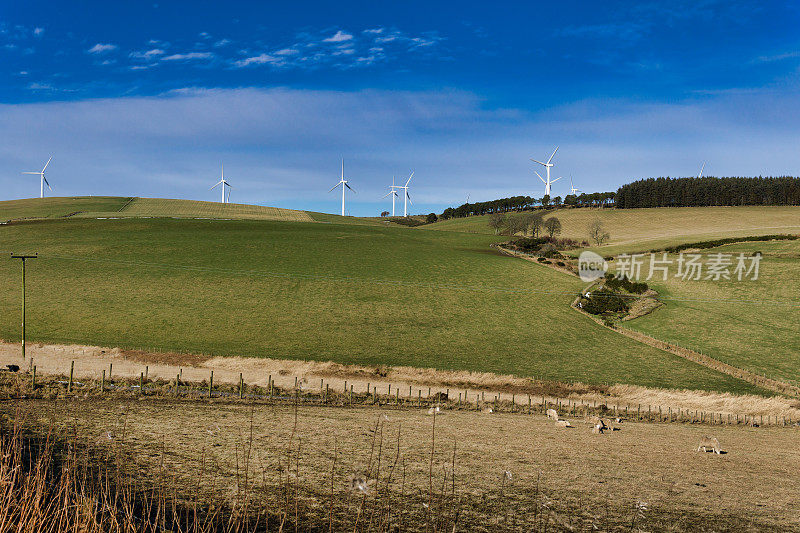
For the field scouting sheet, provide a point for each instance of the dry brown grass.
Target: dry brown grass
(499, 472)
(90, 361)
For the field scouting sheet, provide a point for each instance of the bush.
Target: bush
(431, 218)
(602, 301)
(616, 283)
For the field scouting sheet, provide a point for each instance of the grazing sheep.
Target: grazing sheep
(598, 428)
(487, 409)
(563, 423)
(552, 413)
(434, 410)
(709, 443)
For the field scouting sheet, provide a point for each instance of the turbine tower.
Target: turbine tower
(572, 189)
(701, 170)
(343, 183)
(406, 197)
(224, 183)
(547, 166)
(393, 193)
(43, 180)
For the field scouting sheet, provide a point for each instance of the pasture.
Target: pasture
(635, 230)
(331, 292)
(500, 471)
(749, 324)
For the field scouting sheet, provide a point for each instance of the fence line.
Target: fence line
(466, 399)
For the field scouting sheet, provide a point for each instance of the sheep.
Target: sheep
(709, 443)
(598, 428)
(552, 413)
(434, 410)
(563, 423)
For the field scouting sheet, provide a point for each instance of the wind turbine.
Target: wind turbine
(393, 193)
(547, 166)
(43, 180)
(406, 197)
(224, 183)
(572, 189)
(701, 170)
(343, 183)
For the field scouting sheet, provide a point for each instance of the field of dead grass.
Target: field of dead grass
(498, 471)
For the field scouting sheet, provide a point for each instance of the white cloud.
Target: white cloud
(221, 43)
(338, 37)
(102, 48)
(451, 140)
(38, 31)
(149, 54)
(260, 59)
(188, 56)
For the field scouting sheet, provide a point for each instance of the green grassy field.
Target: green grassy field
(646, 229)
(59, 207)
(111, 206)
(347, 293)
(749, 324)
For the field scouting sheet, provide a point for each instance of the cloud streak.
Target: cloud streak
(282, 146)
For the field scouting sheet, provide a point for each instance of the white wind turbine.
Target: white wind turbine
(393, 193)
(572, 189)
(224, 183)
(343, 183)
(43, 180)
(701, 170)
(406, 196)
(547, 166)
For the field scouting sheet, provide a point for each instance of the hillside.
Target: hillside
(346, 293)
(127, 207)
(643, 229)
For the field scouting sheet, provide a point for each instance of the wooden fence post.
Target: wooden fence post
(177, 384)
(210, 383)
(141, 383)
(103, 382)
(71, 371)
(241, 385)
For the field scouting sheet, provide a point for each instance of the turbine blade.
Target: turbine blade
(555, 180)
(47, 182)
(540, 176)
(349, 187)
(37, 173)
(701, 170)
(216, 185)
(387, 194)
(537, 161)
(335, 186)
(48, 162)
(409, 198)
(552, 156)
(409, 178)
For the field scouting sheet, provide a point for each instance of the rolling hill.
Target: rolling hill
(135, 207)
(645, 229)
(360, 294)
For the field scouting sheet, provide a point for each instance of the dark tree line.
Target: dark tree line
(709, 191)
(526, 203)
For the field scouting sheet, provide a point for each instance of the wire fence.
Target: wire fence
(451, 399)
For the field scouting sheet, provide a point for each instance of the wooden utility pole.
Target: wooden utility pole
(23, 258)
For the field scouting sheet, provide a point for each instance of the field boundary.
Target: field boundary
(579, 410)
(690, 355)
(125, 206)
(696, 357)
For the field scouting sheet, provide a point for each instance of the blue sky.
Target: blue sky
(148, 99)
